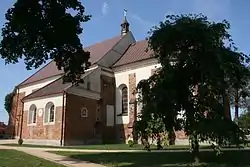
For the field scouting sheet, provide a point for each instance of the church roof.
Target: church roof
(54, 87)
(136, 52)
(97, 51)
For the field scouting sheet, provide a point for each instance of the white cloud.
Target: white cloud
(105, 8)
(145, 24)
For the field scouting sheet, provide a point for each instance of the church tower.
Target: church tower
(125, 24)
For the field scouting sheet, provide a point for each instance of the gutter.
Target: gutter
(63, 117)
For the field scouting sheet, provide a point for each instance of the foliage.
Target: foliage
(199, 64)
(20, 141)
(244, 121)
(131, 143)
(43, 29)
(8, 101)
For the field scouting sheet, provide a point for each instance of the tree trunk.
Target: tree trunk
(171, 137)
(236, 105)
(195, 148)
(227, 106)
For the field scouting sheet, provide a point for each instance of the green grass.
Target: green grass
(238, 158)
(108, 147)
(12, 158)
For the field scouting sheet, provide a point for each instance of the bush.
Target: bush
(20, 141)
(131, 143)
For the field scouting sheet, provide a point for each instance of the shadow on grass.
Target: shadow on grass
(160, 159)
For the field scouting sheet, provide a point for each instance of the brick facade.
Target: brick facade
(91, 129)
(43, 131)
(108, 98)
(14, 124)
(125, 131)
(132, 98)
(78, 129)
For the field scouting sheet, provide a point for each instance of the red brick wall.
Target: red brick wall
(41, 131)
(126, 130)
(132, 98)
(108, 98)
(79, 130)
(14, 124)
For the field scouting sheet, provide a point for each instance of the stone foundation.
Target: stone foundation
(42, 142)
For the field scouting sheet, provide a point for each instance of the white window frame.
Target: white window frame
(47, 113)
(32, 115)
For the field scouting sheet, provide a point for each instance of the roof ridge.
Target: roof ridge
(123, 53)
(110, 49)
(102, 41)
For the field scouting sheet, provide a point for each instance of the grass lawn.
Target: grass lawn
(238, 158)
(109, 147)
(12, 158)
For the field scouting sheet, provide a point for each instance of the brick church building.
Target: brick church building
(102, 109)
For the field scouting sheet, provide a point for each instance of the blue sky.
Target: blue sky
(142, 15)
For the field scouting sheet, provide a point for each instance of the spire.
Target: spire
(125, 24)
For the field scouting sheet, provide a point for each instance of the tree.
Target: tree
(244, 121)
(43, 29)
(8, 102)
(198, 61)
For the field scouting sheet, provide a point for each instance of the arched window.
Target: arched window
(32, 114)
(49, 114)
(124, 98)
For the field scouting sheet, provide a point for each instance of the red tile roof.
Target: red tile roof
(97, 51)
(136, 52)
(54, 87)
(49, 70)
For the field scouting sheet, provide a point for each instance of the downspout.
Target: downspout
(63, 115)
(21, 130)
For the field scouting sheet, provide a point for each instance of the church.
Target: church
(101, 110)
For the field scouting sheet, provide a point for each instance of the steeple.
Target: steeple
(125, 24)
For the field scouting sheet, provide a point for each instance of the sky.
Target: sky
(142, 15)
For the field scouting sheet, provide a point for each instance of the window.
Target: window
(124, 91)
(88, 85)
(84, 112)
(52, 113)
(32, 114)
(49, 114)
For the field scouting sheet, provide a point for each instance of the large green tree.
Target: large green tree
(199, 62)
(39, 30)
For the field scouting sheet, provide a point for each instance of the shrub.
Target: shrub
(20, 141)
(131, 143)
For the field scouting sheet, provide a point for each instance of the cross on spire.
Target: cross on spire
(125, 12)
(125, 24)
